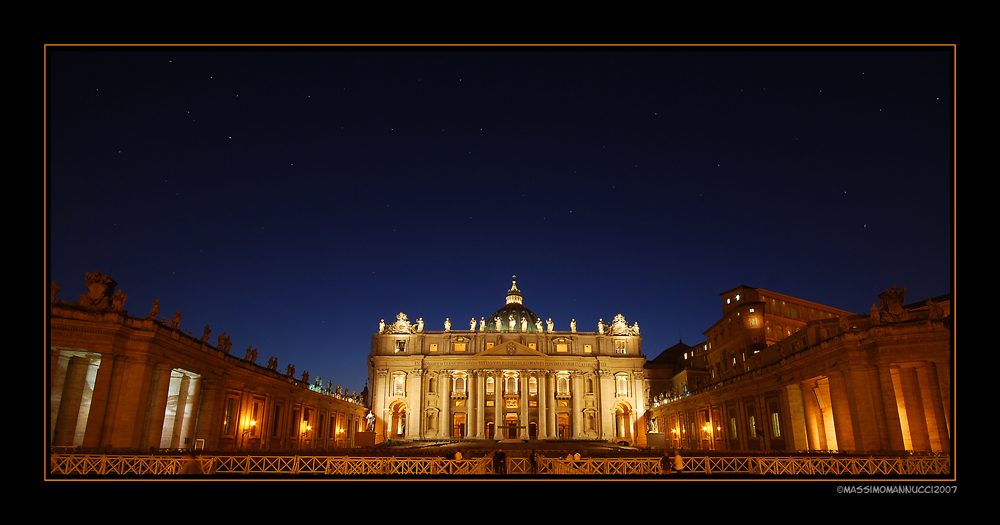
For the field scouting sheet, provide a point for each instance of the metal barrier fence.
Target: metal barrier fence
(111, 465)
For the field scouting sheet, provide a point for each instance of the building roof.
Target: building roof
(671, 355)
(513, 309)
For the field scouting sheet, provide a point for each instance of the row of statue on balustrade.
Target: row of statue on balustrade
(101, 296)
(402, 325)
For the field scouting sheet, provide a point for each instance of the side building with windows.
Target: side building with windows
(508, 375)
(778, 373)
(122, 382)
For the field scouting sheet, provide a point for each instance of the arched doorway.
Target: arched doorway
(623, 422)
(397, 421)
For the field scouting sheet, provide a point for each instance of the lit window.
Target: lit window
(489, 345)
(727, 300)
(588, 349)
(459, 383)
(400, 346)
(562, 383)
(775, 424)
(533, 346)
(562, 347)
(459, 347)
(621, 384)
(490, 382)
(737, 297)
(751, 310)
(434, 347)
(533, 386)
(510, 382)
(399, 383)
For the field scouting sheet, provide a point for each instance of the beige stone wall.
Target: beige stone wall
(856, 385)
(122, 382)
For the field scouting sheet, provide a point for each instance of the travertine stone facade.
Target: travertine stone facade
(836, 381)
(118, 381)
(510, 375)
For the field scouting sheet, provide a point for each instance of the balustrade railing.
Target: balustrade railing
(144, 465)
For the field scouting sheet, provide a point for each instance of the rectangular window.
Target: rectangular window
(434, 347)
(587, 349)
(533, 346)
(400, 346)
(489, 345)
(562, 347)
(254, 419)
(275, 425)
(753, 426)
(459, 347)
(228, 425)
(732, 425)
(775, 424)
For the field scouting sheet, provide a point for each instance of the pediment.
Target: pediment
(511, 348)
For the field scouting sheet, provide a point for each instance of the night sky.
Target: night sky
(293, 197)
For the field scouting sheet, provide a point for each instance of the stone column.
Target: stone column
(863, 399)
(379, 392)
(159, 387)
(472, 409)
(639, 396)
(943, 370)
(99, 401)
(888, 380)
(70, 421)
(576, 390)
(841, 412)
(414, 404)
(480, 404)
(543, 415)
(934, 413)
(188, 409)
(444, 420)
(606, 382)
(914, 408)
(796, 419)
(523, 420)
(498, 386)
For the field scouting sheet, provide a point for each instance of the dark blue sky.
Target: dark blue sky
(293, 197)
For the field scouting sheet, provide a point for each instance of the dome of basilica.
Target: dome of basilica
(514, 317)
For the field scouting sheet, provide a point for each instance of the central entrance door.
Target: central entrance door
(511, 424)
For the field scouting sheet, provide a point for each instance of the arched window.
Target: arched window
(510, 382)
(490, 385)
(399, 383)
(533, 386)
(621, 384)
(562, 383)
(458, 383)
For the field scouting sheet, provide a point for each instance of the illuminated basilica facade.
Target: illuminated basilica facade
(507, 376)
